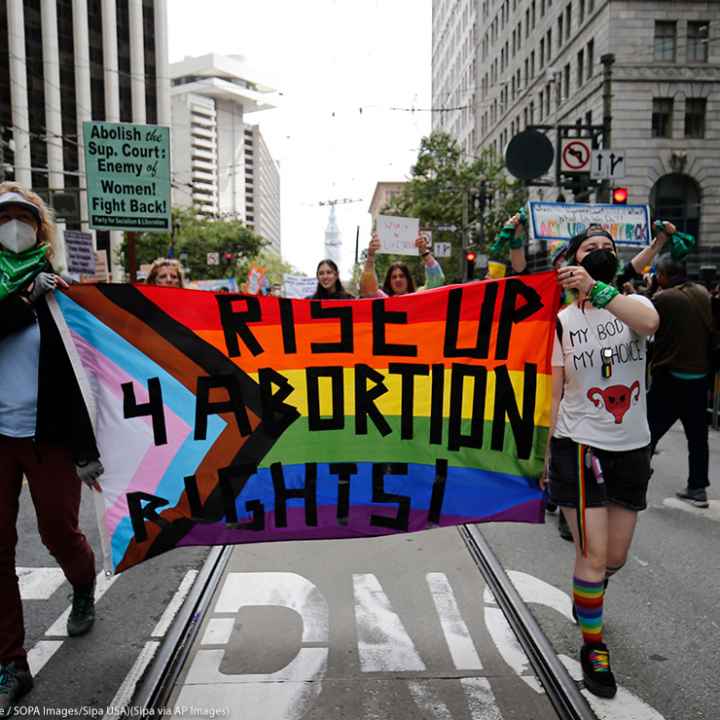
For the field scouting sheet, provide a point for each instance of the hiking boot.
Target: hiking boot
(564, 528)
(14, 683)
(697, 498)
(598, 677)
(82, 615)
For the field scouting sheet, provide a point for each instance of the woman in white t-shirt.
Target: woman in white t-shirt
(598, 465)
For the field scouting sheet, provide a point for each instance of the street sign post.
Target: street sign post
(128, 176)
(608, 165)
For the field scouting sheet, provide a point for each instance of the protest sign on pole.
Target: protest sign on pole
(128, 176)
(79, 251)
(397, 234)
(628, 224)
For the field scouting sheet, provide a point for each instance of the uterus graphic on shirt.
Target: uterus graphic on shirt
(618, 399)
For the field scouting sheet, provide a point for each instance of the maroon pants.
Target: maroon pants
(55, 490)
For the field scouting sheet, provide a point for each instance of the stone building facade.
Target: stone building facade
(539, 63)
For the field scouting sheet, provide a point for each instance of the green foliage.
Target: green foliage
(438, 190)
(195, 237)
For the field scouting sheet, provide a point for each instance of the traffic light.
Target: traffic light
(470, 258)
(620, 196)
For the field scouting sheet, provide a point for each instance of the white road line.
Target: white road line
(428, 701)
(480, 699)
(174, 605)
(218, 631)
(460, 643)
(711, 513)
(285, 589)
(127, 689)
(39, 583)
(383, 642)
(102, 585)
(40, 653)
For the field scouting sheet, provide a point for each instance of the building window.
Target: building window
(580, 68)
(548, 43)
(581, 19)
(590, 59)
(541, 55)
(697, 42)
(541, 103)
(542, 8)
(527, 23)
(665, 40)
(568, 21)
(532, 113)
(532, 13)
(532, 64)
(566, 81)
(547, 99)
(560, 31)
(695, 109)
(591, 6)
(662, 117)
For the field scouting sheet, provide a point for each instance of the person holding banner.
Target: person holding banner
(598, 465)
(45, 431)
(329, 286)
(398, 278)
(166, 272)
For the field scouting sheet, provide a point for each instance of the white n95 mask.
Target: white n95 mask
(17, 236)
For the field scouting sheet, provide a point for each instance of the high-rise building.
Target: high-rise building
(538, 62)
(221, 164)
(63, 62)
(455, 69)
(384, 192)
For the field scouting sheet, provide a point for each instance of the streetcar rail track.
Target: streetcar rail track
(156, 687)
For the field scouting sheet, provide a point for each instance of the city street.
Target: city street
(393, 626)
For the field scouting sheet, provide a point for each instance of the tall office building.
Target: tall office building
(539, 63)
(66, 61)
(454, 69)
(221, 164)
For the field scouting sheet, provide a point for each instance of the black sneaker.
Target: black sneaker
(598, 677)
(697, 498)
(82, 615)
(14, 683)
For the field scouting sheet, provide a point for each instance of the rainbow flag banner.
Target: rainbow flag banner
(226, 418)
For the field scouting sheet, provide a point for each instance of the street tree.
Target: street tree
(193, 238)
(439, 192)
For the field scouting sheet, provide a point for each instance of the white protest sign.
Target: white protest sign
(79, 251)
(628, 224)
(442, 249)
(298, 286)
(397, 234)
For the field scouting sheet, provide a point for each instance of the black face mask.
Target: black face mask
(601, 265)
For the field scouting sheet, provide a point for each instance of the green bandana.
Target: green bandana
(18, 269)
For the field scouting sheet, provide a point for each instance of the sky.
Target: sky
(327, 59)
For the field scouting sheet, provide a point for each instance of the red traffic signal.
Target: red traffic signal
(620, 196)
(470, 256)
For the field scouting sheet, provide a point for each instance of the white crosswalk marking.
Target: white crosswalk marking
(460, 642)
(383, 642)
(39, 583)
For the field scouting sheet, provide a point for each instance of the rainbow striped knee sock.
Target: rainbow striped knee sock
(588, 598)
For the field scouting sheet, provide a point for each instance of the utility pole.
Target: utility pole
(607, 60)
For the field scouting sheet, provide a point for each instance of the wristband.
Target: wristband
(602, 294)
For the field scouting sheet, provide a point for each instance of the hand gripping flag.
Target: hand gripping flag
(226, 418)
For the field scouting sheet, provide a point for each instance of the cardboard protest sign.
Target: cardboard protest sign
(397, 234)
(128, 176)
(628, 224)
(225, 418)
(79, 251)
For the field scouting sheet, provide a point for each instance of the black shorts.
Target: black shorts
(624, 480)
